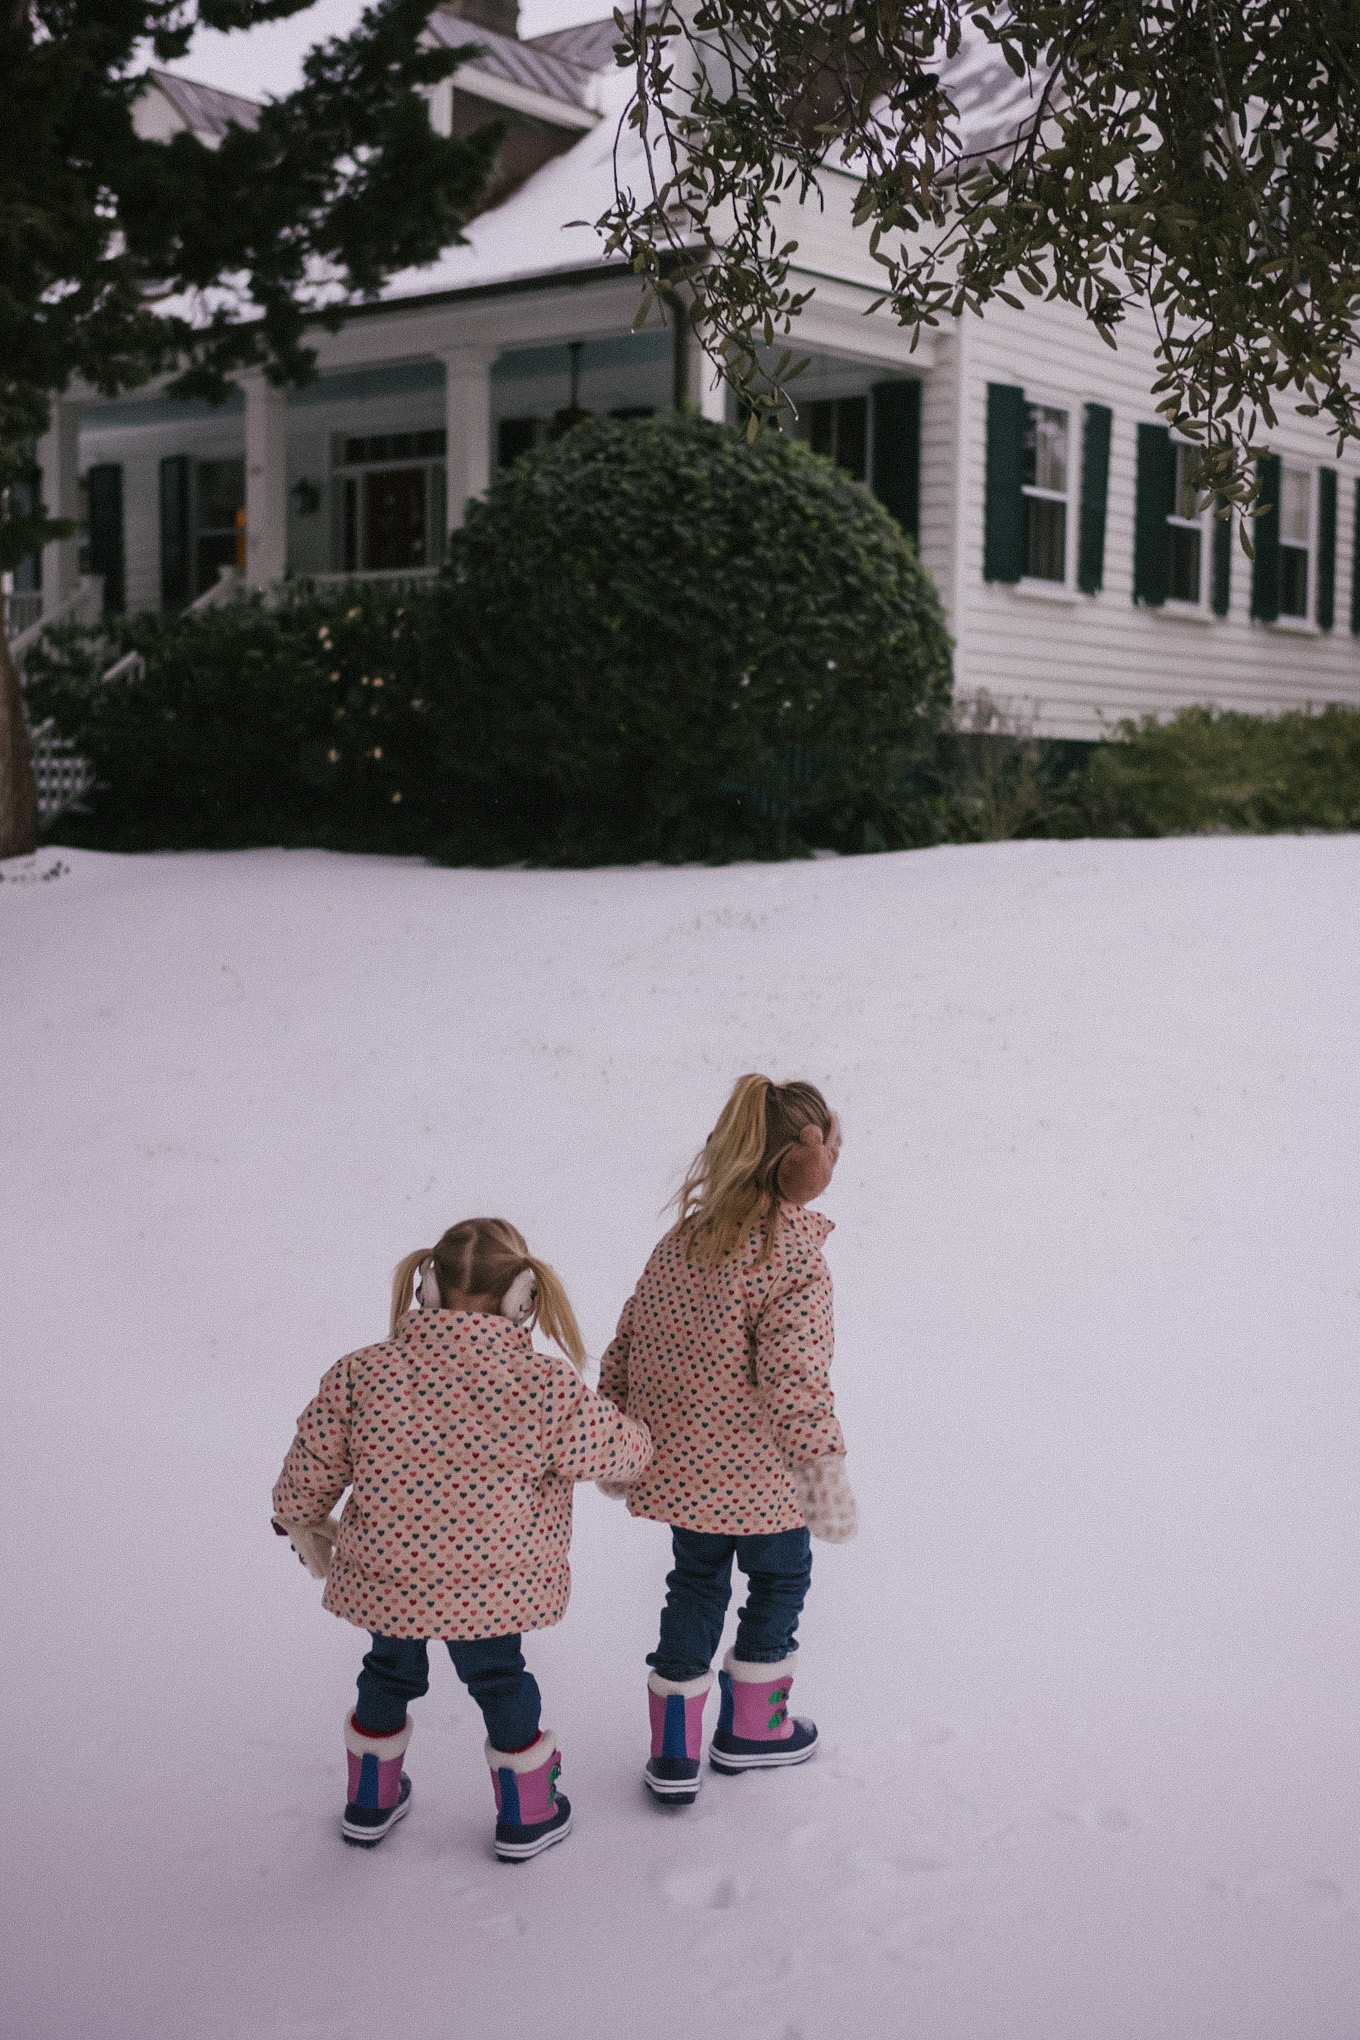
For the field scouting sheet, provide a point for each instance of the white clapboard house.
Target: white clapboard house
(1057, 515)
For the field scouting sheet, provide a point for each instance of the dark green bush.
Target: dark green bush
(1210, 769)
(675, 644)
(302, 723)
(651, 640)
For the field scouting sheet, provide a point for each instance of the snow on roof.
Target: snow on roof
(536, 230)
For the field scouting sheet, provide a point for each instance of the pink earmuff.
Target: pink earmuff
(806, 1169)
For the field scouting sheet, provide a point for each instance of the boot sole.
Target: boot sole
(677, 1792)
(520, 1852)
(365, 1838)
(734, 1765)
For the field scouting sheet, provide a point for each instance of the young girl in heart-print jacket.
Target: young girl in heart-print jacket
(460, 1445)
(724, 1352)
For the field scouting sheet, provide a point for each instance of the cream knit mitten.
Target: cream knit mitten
(314, 1544)
(826, 1498)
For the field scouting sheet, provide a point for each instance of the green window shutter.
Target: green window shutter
(1095, 484)
(1265, 568)
(1154, 499)
(1003, 544)
(175, 565)
(897, 452)
(1222, 528)
(1326, 564)
(105, 484)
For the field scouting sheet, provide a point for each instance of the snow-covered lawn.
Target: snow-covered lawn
(1088, 1682)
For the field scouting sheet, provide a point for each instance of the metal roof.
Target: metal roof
(203, 108)
(523, 64)
(590, 45)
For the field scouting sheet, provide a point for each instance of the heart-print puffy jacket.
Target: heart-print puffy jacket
(729, 1368)
(460, 1445)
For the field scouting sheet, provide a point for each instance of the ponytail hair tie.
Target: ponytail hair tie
(427, 1296)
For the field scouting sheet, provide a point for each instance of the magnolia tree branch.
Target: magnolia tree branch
(1186, 160)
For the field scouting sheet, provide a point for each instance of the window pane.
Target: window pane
(221, 493)
(1045, 539)
(515, 436)
(852, 436)
(1187, 487)
(1294, 494)
(1293, 581)
(821, 426)
(1185, 550)
(1046, 448)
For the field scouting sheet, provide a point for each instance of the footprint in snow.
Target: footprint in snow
(710, 1890)
(1111, 1820)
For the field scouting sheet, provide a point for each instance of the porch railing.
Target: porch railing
(22, 611)
(85, 604)
(60, 776)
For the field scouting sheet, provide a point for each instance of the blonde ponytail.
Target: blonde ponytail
(482, 1257)
(554, 1315)
(732, 1184)
(404, 1284)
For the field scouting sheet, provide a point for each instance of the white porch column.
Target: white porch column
(266, 481)
(700, 387)
(467, 426)
(59, 460)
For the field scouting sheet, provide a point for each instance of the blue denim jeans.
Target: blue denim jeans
(397, 1670)
(778, 1570)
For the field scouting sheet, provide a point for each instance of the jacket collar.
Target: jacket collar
(811, 1225)
(421, 1324)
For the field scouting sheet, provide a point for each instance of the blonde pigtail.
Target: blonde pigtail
(404, 1284)
(554, 1315)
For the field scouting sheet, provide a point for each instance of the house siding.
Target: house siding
(1075, 666)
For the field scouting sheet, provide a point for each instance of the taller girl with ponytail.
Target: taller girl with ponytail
(724, 1351)
(460, 1444)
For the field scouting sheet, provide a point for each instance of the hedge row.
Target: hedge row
(650, 641)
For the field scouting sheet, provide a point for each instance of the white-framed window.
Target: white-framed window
(1188, 579)
(1296, 541)
(1046, 490)
(839, 428)
(388, 501)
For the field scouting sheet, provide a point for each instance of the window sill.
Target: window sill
(1297, 626)
(1186, 612)
(1046, 591)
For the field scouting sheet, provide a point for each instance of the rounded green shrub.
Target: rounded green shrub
(667, 642)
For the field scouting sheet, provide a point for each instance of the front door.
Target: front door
(394, 518)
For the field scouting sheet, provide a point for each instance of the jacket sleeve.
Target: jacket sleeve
(794, 1343)
(588, 1438)
(317, 1470)
(614, 1366)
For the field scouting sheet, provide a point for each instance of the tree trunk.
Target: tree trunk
(18, 792)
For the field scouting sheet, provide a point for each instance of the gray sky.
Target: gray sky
(269, 59)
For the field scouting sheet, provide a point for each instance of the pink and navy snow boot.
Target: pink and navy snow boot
(530, 1812)
(677, 1711)
(379, 1790)
(755, 1731)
